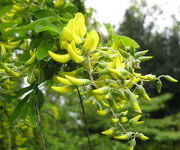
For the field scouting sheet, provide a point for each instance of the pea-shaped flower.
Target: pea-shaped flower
(91, 41)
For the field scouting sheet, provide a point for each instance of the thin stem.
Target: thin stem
(120, 125)
(84, 118)
(39, 121)
(90, 72)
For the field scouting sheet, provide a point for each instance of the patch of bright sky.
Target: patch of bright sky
(112, 11)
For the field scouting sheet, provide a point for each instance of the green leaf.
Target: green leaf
(19, 108)
(32, 25)
(45, 25)
(31, 73)
(43, 48)
(22, 91)
(109, 28)
(40, 98)
(43, 13)
(127, 42)
(32, 109)
(5, 10)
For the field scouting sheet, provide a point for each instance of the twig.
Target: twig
(84, 118)
(90, 72)
(120, 125)
(40, 124)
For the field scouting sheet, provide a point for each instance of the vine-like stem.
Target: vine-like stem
(120, 125)
(90, 71)
(9, 140)
(39, 121)
(84, 118)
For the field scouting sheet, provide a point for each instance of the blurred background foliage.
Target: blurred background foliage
(62, 119)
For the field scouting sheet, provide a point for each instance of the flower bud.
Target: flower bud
(108, 132)
(62, 89)
(169, 78)
(92, 40)
(77, 81)
(158, 85)
(102, 112)
(143, 137)
(124, 119)
(125, 136)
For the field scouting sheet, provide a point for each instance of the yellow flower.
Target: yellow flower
(108, 132)
(92, 40)
(124, 119)
(125, 136)
(143, 137)
(72, 51)
(59, 58)
(62, 89)
(75, 29)
(102, 112)
(78, 81)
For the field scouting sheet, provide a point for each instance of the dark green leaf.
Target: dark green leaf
(32, 109)
(5, 10)
(31, 25)
(19, 109)
(22, 91)
(43, 13)
(40, 98)
(31, 73)
(43, 48)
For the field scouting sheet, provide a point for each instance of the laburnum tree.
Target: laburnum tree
(47, 44)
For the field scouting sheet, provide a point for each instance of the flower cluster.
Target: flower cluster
(113, 83)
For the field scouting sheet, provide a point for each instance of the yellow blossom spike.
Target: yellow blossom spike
(62, 89)
(74, 56)
(59, 58)
(92, 41)
(108, 132)
(77, 81)
(63, 81)
(102, 112)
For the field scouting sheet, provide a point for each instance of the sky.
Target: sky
(112, 11)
